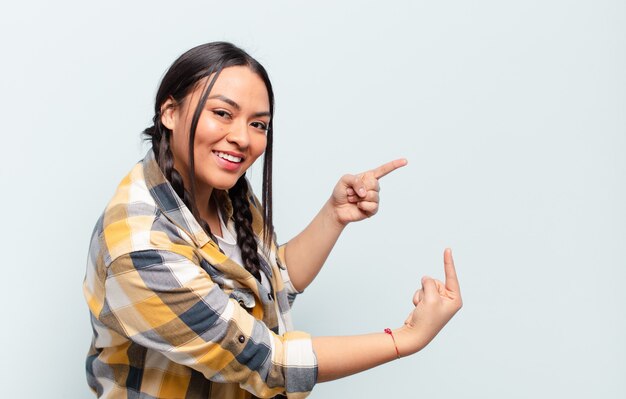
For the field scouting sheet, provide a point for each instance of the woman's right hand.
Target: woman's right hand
(435, 304)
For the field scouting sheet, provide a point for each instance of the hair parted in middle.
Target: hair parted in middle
(183, 75)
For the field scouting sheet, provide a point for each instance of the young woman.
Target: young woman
(188, 292)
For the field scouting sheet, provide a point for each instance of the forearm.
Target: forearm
(338, 357)
(306, 253)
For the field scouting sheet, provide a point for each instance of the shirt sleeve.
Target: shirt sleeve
(165, 302)
(291, 291)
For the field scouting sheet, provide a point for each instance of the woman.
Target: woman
(189, 294)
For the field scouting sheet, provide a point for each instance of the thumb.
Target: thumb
(417, 298)
(357, 184)
(350, 185)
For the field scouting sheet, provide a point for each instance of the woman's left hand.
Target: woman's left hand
(355, 197)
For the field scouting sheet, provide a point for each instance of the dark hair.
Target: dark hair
(194, 65)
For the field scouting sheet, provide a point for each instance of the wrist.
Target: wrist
(408, 340)
(331, 217)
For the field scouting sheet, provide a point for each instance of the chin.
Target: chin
(223, 184)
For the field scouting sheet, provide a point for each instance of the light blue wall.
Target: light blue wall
(512, 116)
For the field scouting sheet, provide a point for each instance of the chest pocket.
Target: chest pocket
(243, 296)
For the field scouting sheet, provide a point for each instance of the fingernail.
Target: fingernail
(362, 192)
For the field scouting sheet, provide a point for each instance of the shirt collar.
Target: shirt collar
(170, 203)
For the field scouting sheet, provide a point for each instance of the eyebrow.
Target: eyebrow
(237, 106)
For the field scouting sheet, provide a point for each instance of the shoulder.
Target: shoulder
(132, 222)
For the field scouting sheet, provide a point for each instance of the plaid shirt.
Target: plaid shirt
(173, 317)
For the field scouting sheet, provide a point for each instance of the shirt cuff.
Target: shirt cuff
(296, 362)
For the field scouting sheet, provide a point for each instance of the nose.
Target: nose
(239, 135)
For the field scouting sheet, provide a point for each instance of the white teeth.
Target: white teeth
(228, 157)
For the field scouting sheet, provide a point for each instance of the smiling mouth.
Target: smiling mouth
(228, 157)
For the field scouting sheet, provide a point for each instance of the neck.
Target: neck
(207, 208)
(203, 202)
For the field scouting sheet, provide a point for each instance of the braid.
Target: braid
(243, 225)
(160, 136)
(238, 194)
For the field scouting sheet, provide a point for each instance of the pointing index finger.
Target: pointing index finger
(389, 167)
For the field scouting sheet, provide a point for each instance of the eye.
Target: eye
(222, 113)
(260, 126)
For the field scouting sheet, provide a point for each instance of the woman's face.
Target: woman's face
(231, 131)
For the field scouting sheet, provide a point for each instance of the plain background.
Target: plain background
(512, 116)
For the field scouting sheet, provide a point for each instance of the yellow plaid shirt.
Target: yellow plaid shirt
(173, 317)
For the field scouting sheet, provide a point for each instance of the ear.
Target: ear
(169, 114)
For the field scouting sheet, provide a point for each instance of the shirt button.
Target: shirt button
(242, 339)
